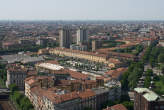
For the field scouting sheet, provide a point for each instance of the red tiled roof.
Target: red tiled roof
(80, 52)
(116, 73)
(116, 107)
(34, 79)
(52, 95)
(113, 60)
(86, 94)
(77, 75)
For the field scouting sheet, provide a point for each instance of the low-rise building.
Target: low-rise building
(45, 94)
(114, 63)
(10, 45)
(43, 51)
(161, 43)
(116, 73)
(80, 54)
(26, 42)
(50, 69)
(16, 75)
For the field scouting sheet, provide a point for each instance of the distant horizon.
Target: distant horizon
(81, 20)
(83, 10)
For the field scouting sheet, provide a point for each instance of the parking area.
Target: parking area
(79, 64)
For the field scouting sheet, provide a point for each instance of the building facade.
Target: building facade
(161, 43)
(80, 54)
(96, 45)
(45, 95)
(16, 75)
(145, 99)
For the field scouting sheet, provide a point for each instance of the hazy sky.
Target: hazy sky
(81, 9)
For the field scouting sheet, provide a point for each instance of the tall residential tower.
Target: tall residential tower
(65, 37)
(82, 35)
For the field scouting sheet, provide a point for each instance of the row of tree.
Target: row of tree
(3, 75)
(154, 56)
(147, 80)
(31, 48)
(133, 49)
(16, 50)
(111, 43)
(132, 75)
(135, 70)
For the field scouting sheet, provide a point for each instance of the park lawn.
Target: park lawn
(109, 44)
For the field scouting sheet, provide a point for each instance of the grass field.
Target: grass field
(109, 44)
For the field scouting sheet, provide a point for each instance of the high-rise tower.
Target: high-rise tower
(82, 35)
(65, 37)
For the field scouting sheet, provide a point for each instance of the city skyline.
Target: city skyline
(81, 10)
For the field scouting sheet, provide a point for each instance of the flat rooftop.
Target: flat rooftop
(51, 66)
(148, 94)
(21, 58)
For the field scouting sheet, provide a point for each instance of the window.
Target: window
(162, 107)
(156, 107)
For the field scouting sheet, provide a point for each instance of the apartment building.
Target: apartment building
(46, 95)
(65, 37)
(16, 75)
(146, 99)
(80, 54)
(82, 35)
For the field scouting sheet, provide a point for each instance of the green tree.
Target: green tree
(124, 81)
(148, 75)
(13, 87)
(161, 58)
(128, 105)
(149, 72)
(147, 81)
(152, 61)
(17, 97)
(162, 69)
(87, 108)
